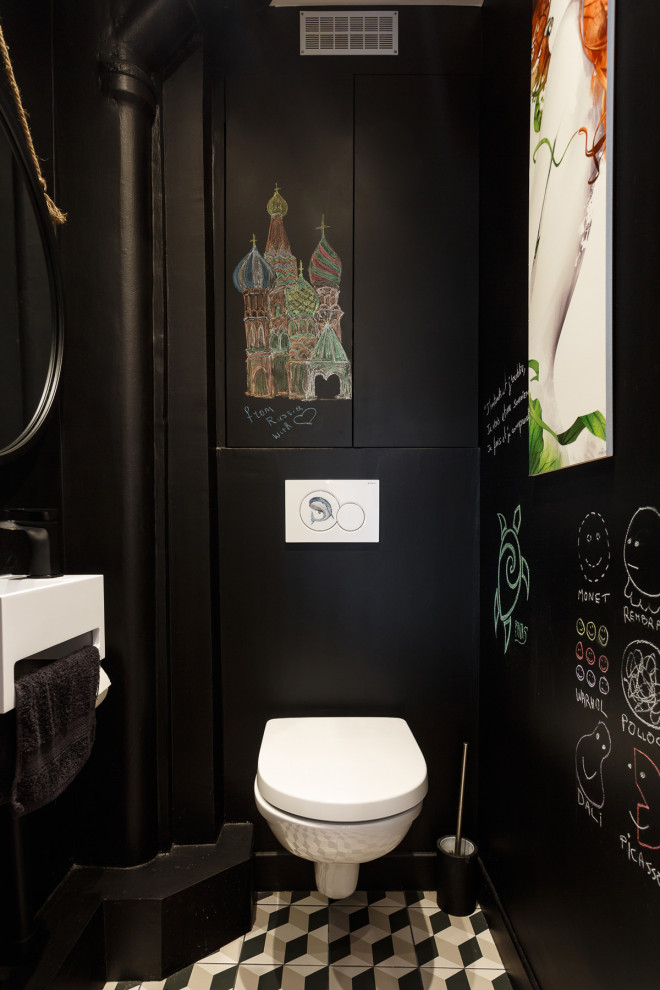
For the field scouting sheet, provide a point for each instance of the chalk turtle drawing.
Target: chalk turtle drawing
(641, 555)
(593, 547)
(640, 677)
(512, 574)
(590, 753)
(293, 337)
(647, 818)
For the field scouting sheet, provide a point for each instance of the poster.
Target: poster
(569, 355)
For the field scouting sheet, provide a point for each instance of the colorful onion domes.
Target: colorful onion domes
(301, 298)
(277, 205)
(324, 265)
(253, 272)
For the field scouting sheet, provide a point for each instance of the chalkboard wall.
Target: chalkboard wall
(569, 816)
(386, 150)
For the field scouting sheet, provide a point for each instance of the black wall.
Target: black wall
(389, 628)
(35, 856)
(387, 149)
(566, 864)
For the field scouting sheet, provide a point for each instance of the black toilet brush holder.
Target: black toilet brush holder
(457, 876)
(457, 866)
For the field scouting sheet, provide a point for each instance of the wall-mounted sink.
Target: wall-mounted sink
(38, 615)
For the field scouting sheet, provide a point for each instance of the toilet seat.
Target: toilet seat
(343, 769)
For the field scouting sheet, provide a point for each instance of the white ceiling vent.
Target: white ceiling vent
(360, 32)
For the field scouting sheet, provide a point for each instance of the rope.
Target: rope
(56, 215)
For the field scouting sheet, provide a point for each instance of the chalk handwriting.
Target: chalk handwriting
(636, 856)
(506, 417)
(284, 422)
(595, 597)
(585, 803)
(630, 615)
(586, 700)
(520, 633)
(645, 735)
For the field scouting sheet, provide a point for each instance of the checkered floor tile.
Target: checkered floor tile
(373, 940)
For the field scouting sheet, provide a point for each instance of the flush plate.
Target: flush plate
(39, 614)
(331, 511)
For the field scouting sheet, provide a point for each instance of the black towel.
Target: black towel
(55, 726)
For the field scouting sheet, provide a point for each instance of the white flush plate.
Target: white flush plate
(331, 511)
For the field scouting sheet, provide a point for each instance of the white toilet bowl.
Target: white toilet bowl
(339, 791)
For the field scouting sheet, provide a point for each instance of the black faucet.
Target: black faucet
(28, 538)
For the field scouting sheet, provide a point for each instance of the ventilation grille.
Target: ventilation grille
(361, 32)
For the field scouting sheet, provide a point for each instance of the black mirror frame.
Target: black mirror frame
(9, 127)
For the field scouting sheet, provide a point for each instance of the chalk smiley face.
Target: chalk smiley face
(593, 547)
(591, 752)
(641, 556)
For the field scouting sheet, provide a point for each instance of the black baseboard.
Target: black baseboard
(397, 871)
(144, 922)
(514, 959)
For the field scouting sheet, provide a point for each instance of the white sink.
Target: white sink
(40, 614)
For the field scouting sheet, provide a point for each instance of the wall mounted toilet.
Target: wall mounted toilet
(339, 791)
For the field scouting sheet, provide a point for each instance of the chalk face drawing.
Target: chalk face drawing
(641, 556)
(640, 678)
(512, 575)
(587, 671)
(293, 336)
(647, 817)
(590, 753)
(593, 547)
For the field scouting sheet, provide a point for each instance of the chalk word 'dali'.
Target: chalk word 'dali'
(585, 803)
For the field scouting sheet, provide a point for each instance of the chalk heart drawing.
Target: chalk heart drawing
(640, 678)
(590, 753)
(647, 818)
(305, 418)
(593, 547)
(641, 555)
(512, 575)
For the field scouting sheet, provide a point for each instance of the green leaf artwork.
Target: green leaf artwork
(545, 446)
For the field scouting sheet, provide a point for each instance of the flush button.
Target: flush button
(319, 511)
(341, 510)
(350, 516)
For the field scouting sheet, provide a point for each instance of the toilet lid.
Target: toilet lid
(341, 769)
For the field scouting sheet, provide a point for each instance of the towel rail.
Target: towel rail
(39, 616)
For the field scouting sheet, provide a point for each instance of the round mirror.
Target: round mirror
(30, 315)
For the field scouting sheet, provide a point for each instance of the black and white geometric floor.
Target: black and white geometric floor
(373, 940)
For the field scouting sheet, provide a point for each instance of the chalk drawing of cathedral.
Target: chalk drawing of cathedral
(292, 326)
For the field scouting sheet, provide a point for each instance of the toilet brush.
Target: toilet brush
(457, 865)
(459, 823)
